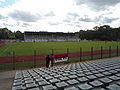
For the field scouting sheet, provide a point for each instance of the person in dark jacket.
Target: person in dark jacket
(52, 60)
(47, 61)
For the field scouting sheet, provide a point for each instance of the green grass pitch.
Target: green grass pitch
(28, 48)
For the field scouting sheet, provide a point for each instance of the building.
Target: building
(49, 36)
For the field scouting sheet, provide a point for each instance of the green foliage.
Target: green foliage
(8, 34)
(19, 35)
(102, 33)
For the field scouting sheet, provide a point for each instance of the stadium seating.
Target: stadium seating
(50, 36)
(91, 75)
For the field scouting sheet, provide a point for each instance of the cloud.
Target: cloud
(25, 25)
(55, 15)
(17, 23)
(71, 24)
(73, 15)
(24, 16)
(51, 14)
(7, 25)
(109, 20)
(78, 26)
(86, 19)
(2, 1)
(67, 19)
(2, 17)
(54, 23)
(100, 19)
(77, 22)
(97, 4)
(70, 17)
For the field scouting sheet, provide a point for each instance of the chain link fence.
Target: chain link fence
(12, 60)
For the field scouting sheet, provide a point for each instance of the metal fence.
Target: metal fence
(12, 61)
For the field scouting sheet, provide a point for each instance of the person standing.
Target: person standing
(47, 61)
(52, 60)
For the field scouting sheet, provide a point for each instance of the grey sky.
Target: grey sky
(24, 16)
(59, 15)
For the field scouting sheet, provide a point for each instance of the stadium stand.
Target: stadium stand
(49, 36)
(90, 75)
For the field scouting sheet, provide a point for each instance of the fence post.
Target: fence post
(68, 53)
(13, 60)
(80, 53)
(52, 51)
(91, 53)
(34, 58)
(117, 50)
(101, 52)
(109, 51)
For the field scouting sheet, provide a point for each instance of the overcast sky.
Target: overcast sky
(58, 15)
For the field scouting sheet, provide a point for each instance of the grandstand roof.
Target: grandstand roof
(45, 32)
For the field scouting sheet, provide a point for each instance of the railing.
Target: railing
(19, 62)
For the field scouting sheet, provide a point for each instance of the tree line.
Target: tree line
(5, 33)
(101, 33)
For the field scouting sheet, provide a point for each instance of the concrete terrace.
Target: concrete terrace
(89, 75)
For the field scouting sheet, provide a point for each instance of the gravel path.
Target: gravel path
(6, 80)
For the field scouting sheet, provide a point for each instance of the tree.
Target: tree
(103, 33)
(19, 35)
(6, 34)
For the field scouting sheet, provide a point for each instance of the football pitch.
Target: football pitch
(43, 48)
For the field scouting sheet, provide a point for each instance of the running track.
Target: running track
(9, 59)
